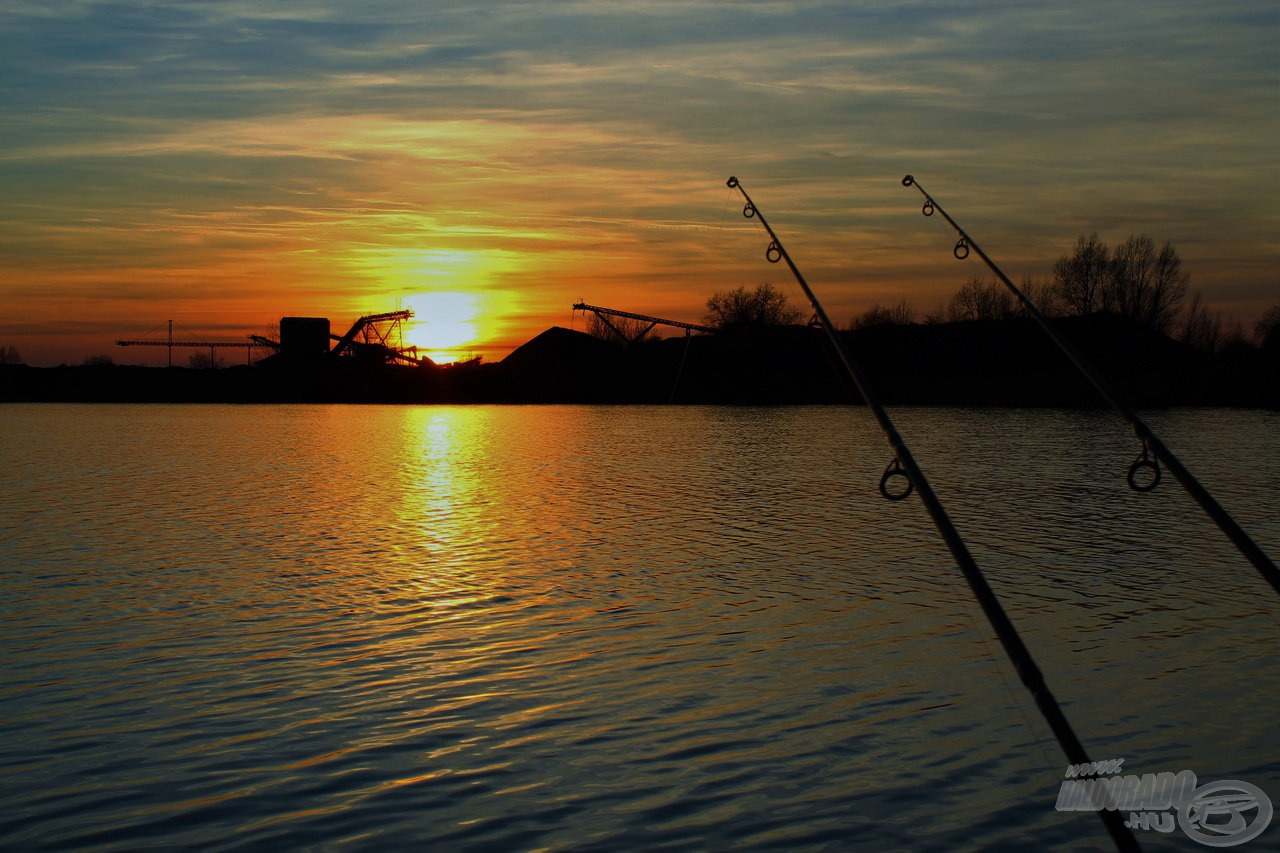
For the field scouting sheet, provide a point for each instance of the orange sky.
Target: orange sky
(223, 165)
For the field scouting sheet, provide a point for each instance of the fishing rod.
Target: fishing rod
(1151, 443)
(904, 466)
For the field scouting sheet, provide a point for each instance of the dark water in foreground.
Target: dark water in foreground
(609, 628)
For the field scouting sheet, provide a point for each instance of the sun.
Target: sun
(444, 325)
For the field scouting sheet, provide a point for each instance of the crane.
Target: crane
(170, 343)
(605, 313)
(372, 338)
(376, 332)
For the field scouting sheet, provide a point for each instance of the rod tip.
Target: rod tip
(732, 182)
(908, 180)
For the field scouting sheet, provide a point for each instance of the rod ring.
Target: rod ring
(732, 182)
(890, 473)
(908, 180)
(773, 254)
(961, 251)
(927, 210)
(1139, 464)
(749, 211)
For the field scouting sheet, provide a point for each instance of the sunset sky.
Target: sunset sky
(222, 164)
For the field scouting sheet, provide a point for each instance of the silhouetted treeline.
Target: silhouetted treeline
(1002, 362)
(740, 309)
(1137, 279)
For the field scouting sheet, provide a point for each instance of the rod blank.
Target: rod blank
(1017, 651)
(1151, 443)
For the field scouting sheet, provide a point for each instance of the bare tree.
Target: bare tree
(1199, 328)
(1146, 284)
(1234, 336)
(978, 299)
(1043, 294)
(1136, 279)
(1079, 279)
(901, 314)
(625, 330)
(1267, 329)
(936, 316)
(740, 308)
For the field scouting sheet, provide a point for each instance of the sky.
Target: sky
(223, 164)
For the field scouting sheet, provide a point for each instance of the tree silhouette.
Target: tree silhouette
(1136, 279)
(901, 314)
(1079, 279)
(978, 299)
(743, 309)
(1146, 284)
(10, 355)
(1268, 329)
(1043, 294)
(625, 330)
(1199, 328)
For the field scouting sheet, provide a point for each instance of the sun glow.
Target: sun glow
(444, 324)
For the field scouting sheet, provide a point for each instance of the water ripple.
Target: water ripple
(593, 628)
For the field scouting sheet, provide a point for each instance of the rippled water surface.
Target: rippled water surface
(597, 628)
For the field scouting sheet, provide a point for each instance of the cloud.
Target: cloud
(243, 147)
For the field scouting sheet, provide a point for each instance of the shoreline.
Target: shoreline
(981, 364)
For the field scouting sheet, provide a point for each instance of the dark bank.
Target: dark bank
(975, 363)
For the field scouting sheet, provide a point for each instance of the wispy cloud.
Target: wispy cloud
(243, 157)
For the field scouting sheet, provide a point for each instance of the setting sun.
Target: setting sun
(444, 324)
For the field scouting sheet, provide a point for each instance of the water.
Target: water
(531, 628)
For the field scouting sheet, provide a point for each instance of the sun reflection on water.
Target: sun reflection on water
(613, 626)
(442, 500)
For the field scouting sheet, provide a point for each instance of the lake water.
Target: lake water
(603, 628)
